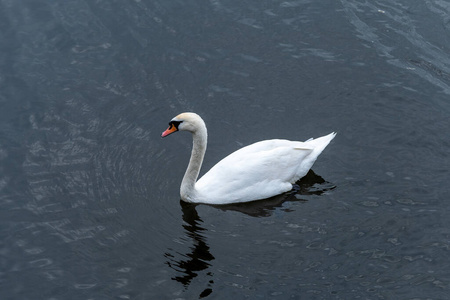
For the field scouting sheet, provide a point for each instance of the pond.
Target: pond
(89, 192)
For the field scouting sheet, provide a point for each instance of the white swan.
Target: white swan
(258, 171)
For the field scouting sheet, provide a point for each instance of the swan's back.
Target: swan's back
(258, 171)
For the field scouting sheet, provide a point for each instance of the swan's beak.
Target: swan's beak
(169, 130)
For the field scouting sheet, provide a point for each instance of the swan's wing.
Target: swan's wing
(258, 171)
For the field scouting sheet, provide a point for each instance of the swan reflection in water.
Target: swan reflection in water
(199, 258)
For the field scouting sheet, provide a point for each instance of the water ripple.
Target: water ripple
(432, 62)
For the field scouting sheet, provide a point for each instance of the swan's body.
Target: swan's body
(258, 171)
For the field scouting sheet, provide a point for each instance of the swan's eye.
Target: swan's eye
(174, 123)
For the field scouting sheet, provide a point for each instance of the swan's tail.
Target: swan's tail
(316, 146)
(320, 143)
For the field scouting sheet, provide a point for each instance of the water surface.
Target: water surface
(89, 193)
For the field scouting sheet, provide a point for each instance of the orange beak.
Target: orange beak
(169, 130)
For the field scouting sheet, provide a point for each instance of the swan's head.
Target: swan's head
(185, 122)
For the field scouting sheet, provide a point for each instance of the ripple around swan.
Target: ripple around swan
(77, 185)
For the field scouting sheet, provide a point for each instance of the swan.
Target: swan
(258, 171)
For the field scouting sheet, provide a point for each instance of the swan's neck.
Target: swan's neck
(187, 190)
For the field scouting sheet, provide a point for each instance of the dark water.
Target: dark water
(89, 193)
